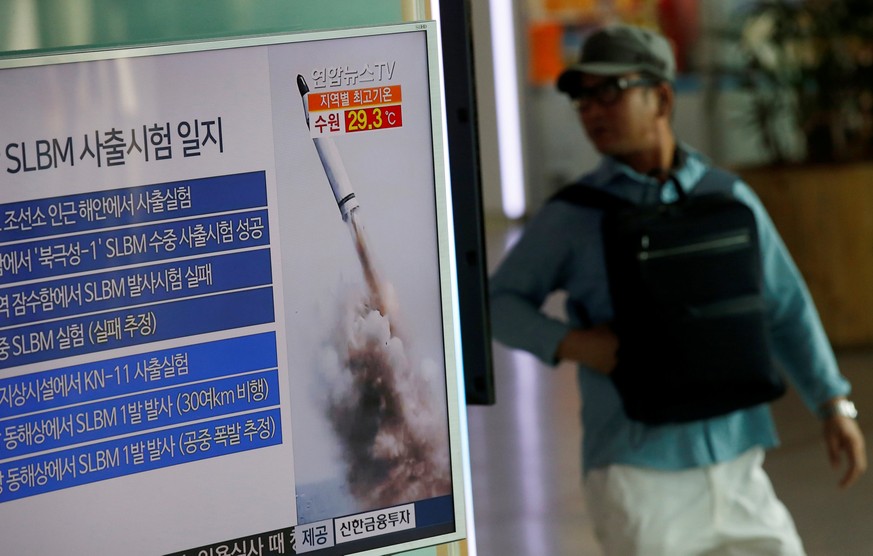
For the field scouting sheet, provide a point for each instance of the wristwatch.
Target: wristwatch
(841, 407)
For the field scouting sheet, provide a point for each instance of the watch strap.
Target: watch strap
(841, 407)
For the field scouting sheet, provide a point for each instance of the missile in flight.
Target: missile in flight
(331, 161)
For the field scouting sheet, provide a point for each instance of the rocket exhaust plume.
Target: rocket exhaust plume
(382, 409)
(377, 301)
(387, 411)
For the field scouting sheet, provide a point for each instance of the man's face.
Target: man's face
(619, 113)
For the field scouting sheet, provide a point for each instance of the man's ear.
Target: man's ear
(666, 98)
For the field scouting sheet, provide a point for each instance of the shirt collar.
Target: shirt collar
(625, 181)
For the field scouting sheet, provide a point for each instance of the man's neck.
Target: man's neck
(656, 162)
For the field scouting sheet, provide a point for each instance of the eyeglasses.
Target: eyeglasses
(606, 93)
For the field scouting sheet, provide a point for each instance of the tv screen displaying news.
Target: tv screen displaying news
(228, 305)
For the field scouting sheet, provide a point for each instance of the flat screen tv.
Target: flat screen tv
(228, 299)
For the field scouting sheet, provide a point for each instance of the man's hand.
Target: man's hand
(593, 347)
(843, 437)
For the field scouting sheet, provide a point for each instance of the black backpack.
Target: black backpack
(686, 286)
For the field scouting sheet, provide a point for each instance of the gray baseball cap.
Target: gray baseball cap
(621, 49)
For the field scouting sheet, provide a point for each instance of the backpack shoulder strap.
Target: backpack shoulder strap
(584, 195)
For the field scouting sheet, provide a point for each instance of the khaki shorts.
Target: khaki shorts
(724, 509)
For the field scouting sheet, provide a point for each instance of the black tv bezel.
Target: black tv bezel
(469, 226)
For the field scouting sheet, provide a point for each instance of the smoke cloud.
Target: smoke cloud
(387, 410)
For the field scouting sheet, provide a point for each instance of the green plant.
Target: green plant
(810, 61)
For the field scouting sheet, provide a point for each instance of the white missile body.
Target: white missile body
(331, 161)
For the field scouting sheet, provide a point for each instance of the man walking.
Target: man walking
(673, 489)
